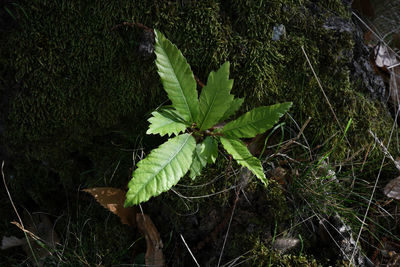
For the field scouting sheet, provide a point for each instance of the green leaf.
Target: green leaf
(235, 105)
(161, 169)
(177, 78)
(255, 121)
(206, 152)
(215, 97)
(242, 155)
(211, 149)
(199, 162)
(166, 122)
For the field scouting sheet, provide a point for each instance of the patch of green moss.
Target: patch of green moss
(265, 256)
(83, 79)
(277, 71)
(84, 92)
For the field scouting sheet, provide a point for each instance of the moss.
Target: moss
(83, 79)
(83, 89)
(264, 256)
(277, 71)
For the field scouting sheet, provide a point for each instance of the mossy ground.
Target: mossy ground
(81, 91)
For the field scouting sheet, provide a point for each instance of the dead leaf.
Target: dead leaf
(12, 241)
(384, 57)
(113, 199)
(284, 244)
(392, 189)
(154, 255)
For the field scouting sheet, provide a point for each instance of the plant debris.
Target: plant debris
(113, 199)
(154, 255)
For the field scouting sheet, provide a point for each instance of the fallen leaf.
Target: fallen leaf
(392, 189)
(12, 241)
(384, 57)
(113, 199)
(154, 255)
(284, 244)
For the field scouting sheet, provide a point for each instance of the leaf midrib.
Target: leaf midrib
(209, 109)
(242, 125)
(179, 82)
(238, 153)
(167, 123)
(161, 168)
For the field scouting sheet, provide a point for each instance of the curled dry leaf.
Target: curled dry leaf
(384, 57)
(387, 61)
(392, 189)
(113, 199)
(154, 255)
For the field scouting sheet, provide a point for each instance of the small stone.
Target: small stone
(278, 32)
(285, 244)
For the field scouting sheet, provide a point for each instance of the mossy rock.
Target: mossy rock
(83, 90)
(83, 79)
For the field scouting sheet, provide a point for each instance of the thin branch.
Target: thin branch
(323, 92)
(375, 186)
(16, 212)
(191, 254)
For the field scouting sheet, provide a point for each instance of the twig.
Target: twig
(374, 33)
(204, 196)
(375, 185)
(366, 156)
(26, 231)
(291, 141)
(384, 150)
(244, 179)
(393, 66)
(229, 225)
(199, 82)
(191, 254)
(16, 212)
(323, 92)
(9, 195)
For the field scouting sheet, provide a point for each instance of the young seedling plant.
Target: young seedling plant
(198, 126)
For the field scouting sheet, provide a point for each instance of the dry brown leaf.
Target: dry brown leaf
(389, 67)
(113, 199)
(154, 255)
(392, 189)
